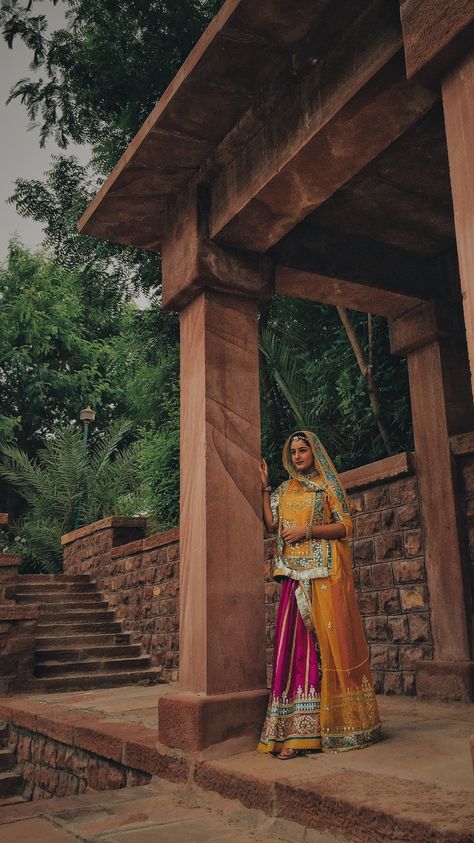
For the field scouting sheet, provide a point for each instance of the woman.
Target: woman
(322, 695)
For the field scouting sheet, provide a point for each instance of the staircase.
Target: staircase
(11, 784)
(79, 643)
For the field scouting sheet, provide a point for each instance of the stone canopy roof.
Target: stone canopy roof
(245, 46)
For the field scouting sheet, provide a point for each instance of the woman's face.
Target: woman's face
(301, 456)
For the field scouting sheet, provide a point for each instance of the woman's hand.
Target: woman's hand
(263, 473)
(293, 534)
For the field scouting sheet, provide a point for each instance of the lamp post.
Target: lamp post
(86, 416)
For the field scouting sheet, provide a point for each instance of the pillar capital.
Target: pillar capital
(191, 261)
(429, 322)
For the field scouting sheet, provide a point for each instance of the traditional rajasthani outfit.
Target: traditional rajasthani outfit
(322, 695)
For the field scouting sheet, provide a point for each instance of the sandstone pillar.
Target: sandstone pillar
(458, 102)
(433, 342)
(222, 686)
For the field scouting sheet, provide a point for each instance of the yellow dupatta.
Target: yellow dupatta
(349, 711)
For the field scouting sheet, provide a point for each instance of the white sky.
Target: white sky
(20, 152)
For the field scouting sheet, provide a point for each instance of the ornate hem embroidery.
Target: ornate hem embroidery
(353, 740)
(281, 570)
(295, 718)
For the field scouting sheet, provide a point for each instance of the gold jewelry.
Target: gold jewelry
(309, 532)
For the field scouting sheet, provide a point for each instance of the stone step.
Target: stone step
(46, 628)
(60, 598)
(87, 681)
(53, 578)
(76, 615)
(12, 800)
(53, 642)
(58, 606)
(80, 652)
(7, 758)
(61, 668)
(11, 784)
(56, 588)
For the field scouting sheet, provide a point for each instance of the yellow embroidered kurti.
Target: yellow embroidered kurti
(327, 601)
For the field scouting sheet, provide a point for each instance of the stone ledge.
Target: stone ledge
(390, 468)
(147, 544)
(462, 444)
(130, 549)
(128, 744)
(10, 560)
(160, 539)
(18, 613)
(104, 524)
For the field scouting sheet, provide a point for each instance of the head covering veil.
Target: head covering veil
(322, 463)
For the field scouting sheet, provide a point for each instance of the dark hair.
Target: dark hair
(300, 435)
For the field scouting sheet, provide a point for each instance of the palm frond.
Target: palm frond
(284, 367)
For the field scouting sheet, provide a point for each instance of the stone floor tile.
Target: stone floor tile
(199, 830)
(139, 814)
(36, 830)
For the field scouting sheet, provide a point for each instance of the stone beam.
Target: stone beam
(192, 262)
(312, 134)
(244, 45)
(322, 288)
(354, 271)
(436, 33)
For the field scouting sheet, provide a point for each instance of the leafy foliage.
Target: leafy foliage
(63, 480)
(96, 79)
(69, 333)
(316, 379)
(55, 349)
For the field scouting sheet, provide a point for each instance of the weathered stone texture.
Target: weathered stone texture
(141, 581)
(50, 768)
(389, 573)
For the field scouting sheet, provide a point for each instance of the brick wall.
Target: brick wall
(141, 578)
(51, 768)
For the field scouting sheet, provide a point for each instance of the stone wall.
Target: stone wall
(141, 578)
(51, 768)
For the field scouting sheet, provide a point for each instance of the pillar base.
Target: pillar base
(195, 721)
(447, 681)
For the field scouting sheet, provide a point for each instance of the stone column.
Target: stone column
(458, 102)
(222, 685)
(433, 342)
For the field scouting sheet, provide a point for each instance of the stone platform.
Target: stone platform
(417, 784)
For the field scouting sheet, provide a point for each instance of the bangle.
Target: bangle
(266, 488)
(309, 532)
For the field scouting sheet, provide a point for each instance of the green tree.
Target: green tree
(310, 374)
(151, 341)
(93, 82)
(55, 353)
(64, 478)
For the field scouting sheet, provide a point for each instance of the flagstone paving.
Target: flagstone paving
(158, 813)
(415, 785)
